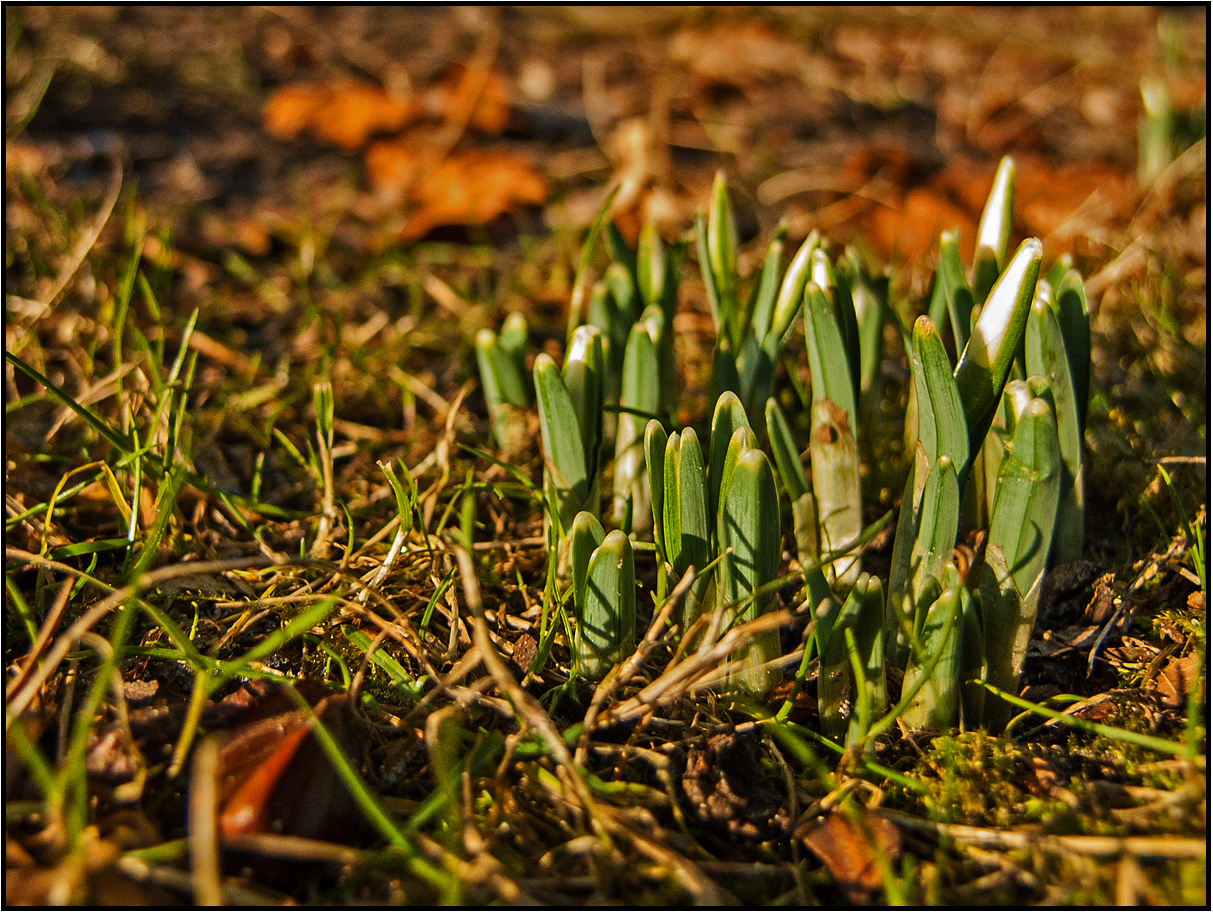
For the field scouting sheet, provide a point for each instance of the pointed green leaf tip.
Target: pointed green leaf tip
(986, 361)
(994, 229)
(563, 450)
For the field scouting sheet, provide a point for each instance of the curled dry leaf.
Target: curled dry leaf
(1177, 678)
(851, 845)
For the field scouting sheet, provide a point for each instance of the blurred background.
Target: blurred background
(376, 166)
(880, 124)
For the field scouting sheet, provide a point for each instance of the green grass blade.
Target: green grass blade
(791, 294)
(829, 365)
(973, 668)
(1070, 305)
(838, 294)
(785, 451)
(1021, 529)
(838, 689)
(296, 627)
(655, 442)
(685, 519)
(1153, 743)
(650, 265)
(936, 703)
(1025, 504)
(687, 533)
(396, 673)
(869, 297)
(728, 416)
(941, 418)
(711, 291)
(951, 294)
(586, 535)
(763, 313)
(90, 418)
(938, 523)
(722, 257)
(584, 375)
(640, 392)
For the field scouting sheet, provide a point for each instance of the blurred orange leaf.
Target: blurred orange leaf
(914, 229)
(466, 188)
(346, 113)
(393, 164)
(491, 110)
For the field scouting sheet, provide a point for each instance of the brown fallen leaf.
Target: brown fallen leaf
(1179, 676)
(291, 109)
(850, 845)
(392, 165)
(274, 776)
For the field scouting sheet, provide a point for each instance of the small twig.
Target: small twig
(288, 846)
(523, 703)
(44, 635)
(1120, 602)
(174, 879)
(624, 672)
(1162, 847)
(204, 832)
(675, 681)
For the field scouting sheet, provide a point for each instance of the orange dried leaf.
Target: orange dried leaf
(346, 113)
(393, 164)
(472, 188)
(291, 109)
(850, 847)
(246, 811)
(914, 229)
(491, 108)
(356, 110)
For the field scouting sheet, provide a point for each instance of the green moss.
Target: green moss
(978, 779)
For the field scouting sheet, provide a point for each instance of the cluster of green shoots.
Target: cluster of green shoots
(994, 437)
